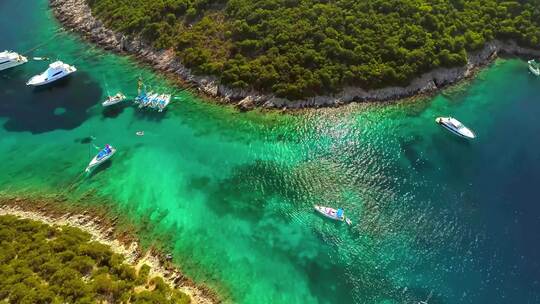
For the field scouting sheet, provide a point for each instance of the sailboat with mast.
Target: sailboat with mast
(112, 100)
(103, 155)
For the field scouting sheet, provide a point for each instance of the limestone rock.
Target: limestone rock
(76, 14)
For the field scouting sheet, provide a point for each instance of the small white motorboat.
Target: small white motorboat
(534, 67)
(455, 126)
(101, 157)
(140, 133)
(331, 213)
(57, 70)
(41, 58)
(11, 59)
(111, 100)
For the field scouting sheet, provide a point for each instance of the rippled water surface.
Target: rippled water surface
(231, 194)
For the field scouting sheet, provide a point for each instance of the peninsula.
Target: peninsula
(310, 53)
(56, 254)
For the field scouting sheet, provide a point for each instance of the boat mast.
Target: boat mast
(140, 86)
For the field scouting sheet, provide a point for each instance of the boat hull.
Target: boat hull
(468, 134)
(37, 82)
(110, 102)
(534, 71)
(56, 71)
(95, 162)
(12, 64)
(328, 213)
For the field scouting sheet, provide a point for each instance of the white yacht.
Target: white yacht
(11, 59)
(56, 71)
(534, 67)
(101, 157)
(455, 126)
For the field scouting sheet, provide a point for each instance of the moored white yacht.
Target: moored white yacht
(534, 67)
(455, 126)
(11, 59)
(101, 157)
(57, 70)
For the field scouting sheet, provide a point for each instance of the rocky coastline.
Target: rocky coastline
(77, 15)
(104, 230)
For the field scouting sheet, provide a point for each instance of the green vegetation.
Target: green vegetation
(44, 264)
(303, 48)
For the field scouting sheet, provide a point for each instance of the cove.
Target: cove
(230, 194)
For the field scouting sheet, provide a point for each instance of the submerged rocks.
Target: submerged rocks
(77, 14)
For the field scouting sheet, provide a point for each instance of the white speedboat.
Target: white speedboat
(11, 59)
(57, 70)
(101, 157)
(534, 67)
(455, 126)
(331, 213)
(111, 100)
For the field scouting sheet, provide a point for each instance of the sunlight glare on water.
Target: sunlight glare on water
(231, 194)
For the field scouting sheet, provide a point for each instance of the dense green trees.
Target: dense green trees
(302, 48)
(44, 264)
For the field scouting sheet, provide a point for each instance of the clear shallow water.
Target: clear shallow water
(231, 194)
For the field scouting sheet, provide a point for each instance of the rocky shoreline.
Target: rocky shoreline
(104, 231)
(77, 15)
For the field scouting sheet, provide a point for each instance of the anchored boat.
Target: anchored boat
(164, 102)
(111, 100)
(146, 100)
(455, 126)
(534, 67)
(150, 99)
(331, 213)
(10, 59)
(101, 157)
(57, 70)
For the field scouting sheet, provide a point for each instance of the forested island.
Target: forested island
(49, 264)
(301, 48)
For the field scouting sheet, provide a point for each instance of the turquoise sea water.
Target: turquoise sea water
(231, 194)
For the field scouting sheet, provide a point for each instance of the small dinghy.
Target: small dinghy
(140, 133)
(57, 70)
(455, 126)
(112, 100)
(331, 213)
(101, 157)
(41, 59)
